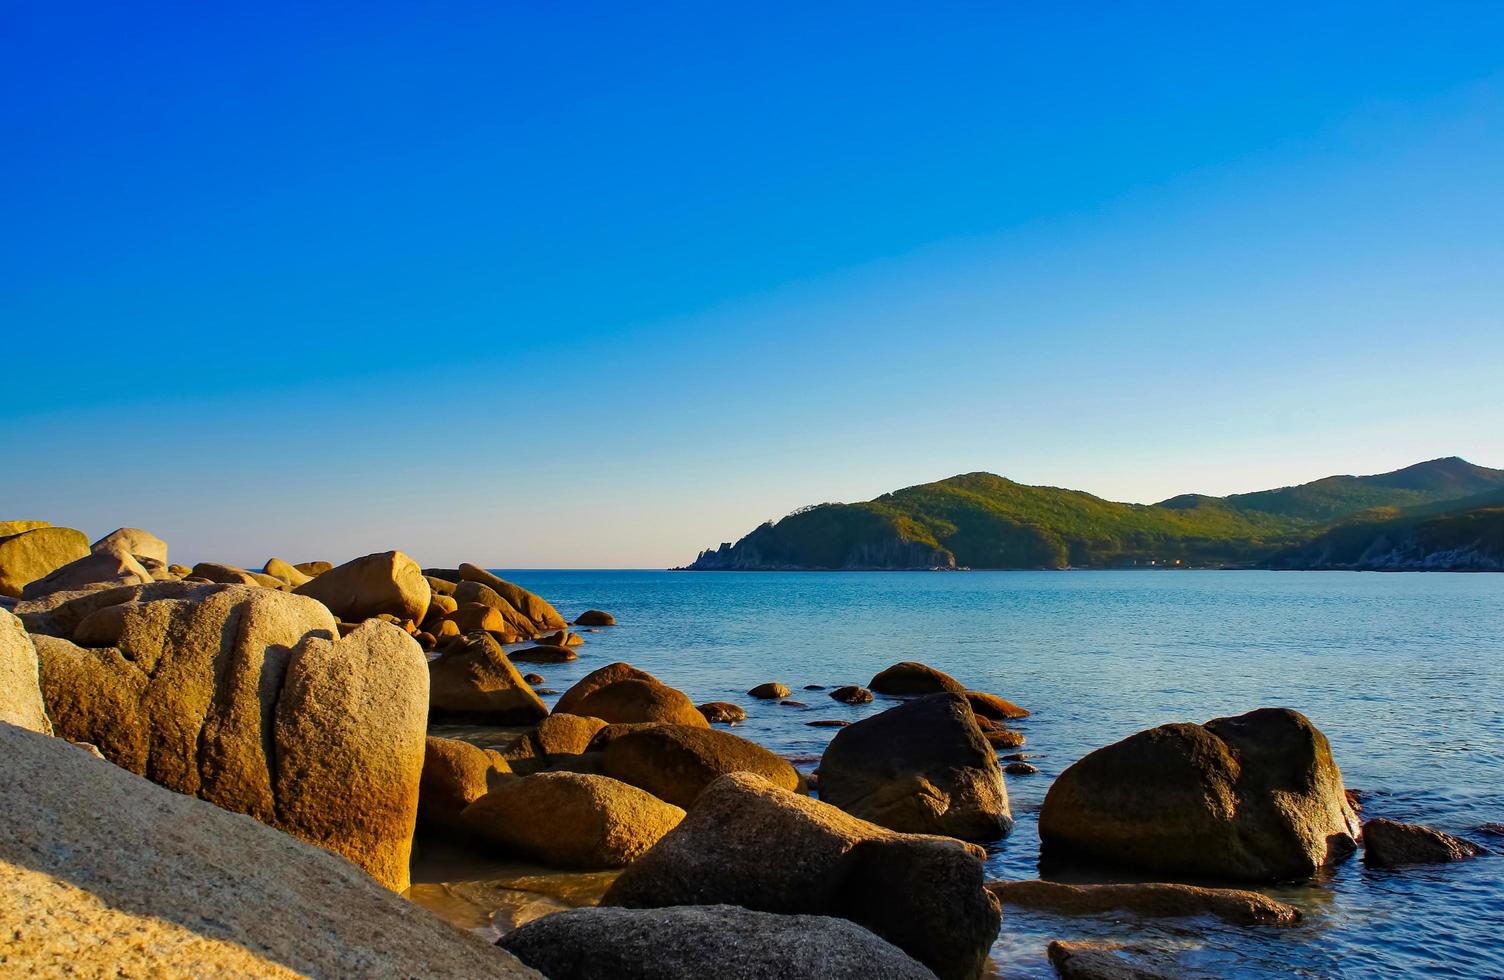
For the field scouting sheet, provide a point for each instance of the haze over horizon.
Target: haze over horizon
(514, 286)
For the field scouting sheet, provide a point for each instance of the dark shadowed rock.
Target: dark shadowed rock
(703, 942)
(533, 679)
(1105, 961)
(1388, 844)
(1021, 769)
(722, 712)
(1003, 738)
(455, 774)
(571, 820)
(595, 617)
(1153, 900)
(474, 681)
(827, 723)
(720, 855)
(851, 694)
(910, 678)
(920, 767)
(675, 763)
(1251, 798)
(770, 691)
(544, 654)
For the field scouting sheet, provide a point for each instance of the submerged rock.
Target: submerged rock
(920, 767)
(700, 942)
(1155, 900)
(1389, 843)
(909, 678)
(851, 694)
(675, 763)
(722, 712)
(1105, 961)
(572, 820)
(1251, 798)
(923, 894)
(770, 691)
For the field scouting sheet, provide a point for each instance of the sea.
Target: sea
(1403, 672)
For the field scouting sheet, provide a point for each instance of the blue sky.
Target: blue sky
(599, 285)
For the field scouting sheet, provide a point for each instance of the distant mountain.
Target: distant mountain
(979, 520)
(1463, 535)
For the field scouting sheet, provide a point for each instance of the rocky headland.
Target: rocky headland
(214, 770)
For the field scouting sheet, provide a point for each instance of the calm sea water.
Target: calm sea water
(1402, 672)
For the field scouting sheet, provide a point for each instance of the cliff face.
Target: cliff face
(830, 537)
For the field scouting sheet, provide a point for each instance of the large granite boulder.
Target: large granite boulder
(676, 763)
(313, 569)
(569, 701)
(473, 681)
(455, 775)
(20, 692)
(133, 541)
(1251, 798)
(96, 570)
(746, 842)
(518, 625)
(104, 874)
(908, 678)
(31, 550)
(243, 697)
(551, 741)
(571, 820)
(699, 942)
(922, 767)
(227, 574)
(1390, 844)
(285, 573)
(389, 582)
(543, 616)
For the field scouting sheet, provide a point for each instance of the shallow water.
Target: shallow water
(1402, 672)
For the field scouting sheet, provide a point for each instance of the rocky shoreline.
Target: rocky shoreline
(216, 770)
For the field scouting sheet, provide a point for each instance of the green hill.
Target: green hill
(979, 520)
(1465, 535)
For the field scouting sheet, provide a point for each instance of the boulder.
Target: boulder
(1004, 738)
(133, 541)
(1251, 798)
(597, 679)
(770, 691)
(1152, 900)
(748, 843)
(571, 820)
(1389, 844)
(542, 615)
(993, 707)
(96, 570)
(675, 763)
(915, 678)
(1108, 961)
(595, 617)
(722, 712)
(31, 553)
(473, 681)
(313, 569)
(212, 571)
(920, 767)
(544, 654)
(698, 942)
(389, 582)
(851, 694)
(1021, 769)
(519, 625)
(241, 696)
(534, 679)
(635, 700)
(455, 775)
(439, 586)
(285, 573)
(473, 616)
(104, 874)
(561, 638)
(439, 606)
(554, 738)
(20, 692)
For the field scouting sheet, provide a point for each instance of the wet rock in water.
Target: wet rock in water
(20, 689)
(313, 569)
(633, 700)
(910, 678)
(1018, 756)
(241, 696)
(920, 767)
(1491, 829)
(1389, 844)
(455, 774)
(696, 942)
(1004, 738)
(770, 691)
(597, 679)
(828, 723)
(134, 542)
(542, 615)
(285, 573)
(555, 737)
(544, 654)
(993, 707)
(473, 681)
(1021, 769)
(851, 694)
(675, 763)
(562, 638)
(130, 879)
(722, 712)
(720, 855)
(1251, 798)
(595, 617)
(547, 690)
(1104, 961)
(389, 582)
(96, 570)
(1154, 900)
(32, 550)
(814, 687)
(790, 703)
(571, 820)
(1354, 799)
(534, 679)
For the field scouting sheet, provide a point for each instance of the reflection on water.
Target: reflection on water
(1402, 672)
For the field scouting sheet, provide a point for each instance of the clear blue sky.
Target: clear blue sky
(600, 285)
